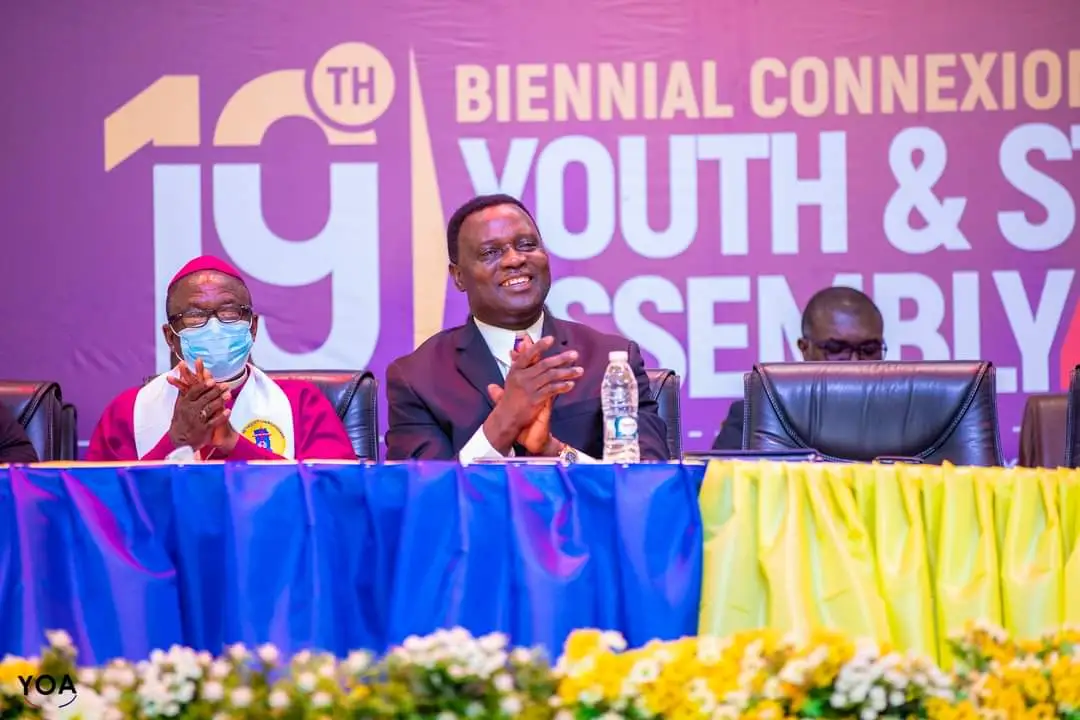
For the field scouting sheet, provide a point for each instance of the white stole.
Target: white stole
(261, 413)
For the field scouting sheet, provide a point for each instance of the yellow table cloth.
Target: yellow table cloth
(903, 553)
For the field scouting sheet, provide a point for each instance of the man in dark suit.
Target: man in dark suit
(839, 323)
(15, 446)
(511, 381)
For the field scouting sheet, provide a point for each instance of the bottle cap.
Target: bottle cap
(618, 356)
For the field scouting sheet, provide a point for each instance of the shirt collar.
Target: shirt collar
(500, 341)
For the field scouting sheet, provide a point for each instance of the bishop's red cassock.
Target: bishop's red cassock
(305, 426)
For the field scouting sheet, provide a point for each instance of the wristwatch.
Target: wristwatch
(568, 455)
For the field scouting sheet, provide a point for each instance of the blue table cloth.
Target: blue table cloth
(343, 556)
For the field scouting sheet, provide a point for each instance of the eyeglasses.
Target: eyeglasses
(197, 318)
(840, 350)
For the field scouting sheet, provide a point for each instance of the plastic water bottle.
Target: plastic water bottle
(619, 395)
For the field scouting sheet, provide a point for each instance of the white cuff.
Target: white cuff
(183, 454)
(479, 448)
(585, 459)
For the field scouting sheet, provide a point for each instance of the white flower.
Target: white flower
(838, 700)
(59, 639)
(302, 658)
(564, 715)
(86, 704)
(321, 699)
(446, 715)
(186, 692)
(868, 714)
(521, 656)
(493, 642)
(306, 681)
(794, 672)
(269, 654)
(171, 709)
(773, 689)
(709, 650)
(111, 694)
(737, 699)
(504, 683)
(645, 670)
(220, 669)
(613, 641)
(474, 709)
(510, 705)
(456, 671)
(204, 658)
(590, 696)
(707, 702)
(213, 691)
(357, 662)
(241, 697)
(415, 644)
(278, 700)
(879, 700)
(897, 698)
(238, 652)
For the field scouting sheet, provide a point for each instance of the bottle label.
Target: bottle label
(622, 428)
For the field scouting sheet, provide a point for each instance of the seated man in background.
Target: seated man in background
(839, 323)
(15, 446)
(512, 380)
(215, 404)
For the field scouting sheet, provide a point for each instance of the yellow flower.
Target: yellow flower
(1042, 711)
(1065, 677)
(1029, 647)
(13, 667)
(581, 643)
(1036, 687)
(767, 710)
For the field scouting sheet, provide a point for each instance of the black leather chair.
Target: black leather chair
(1043, 431)
(665, 385)
(1072, 423)
(355, 397)
(928, 412)
(50, 423)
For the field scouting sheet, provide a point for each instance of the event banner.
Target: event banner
(697, 169)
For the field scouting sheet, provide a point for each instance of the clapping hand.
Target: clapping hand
(524, 405)
(200, 416)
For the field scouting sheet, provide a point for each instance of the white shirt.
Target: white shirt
(500, 342)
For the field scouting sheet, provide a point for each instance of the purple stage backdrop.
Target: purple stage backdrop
(697, 168)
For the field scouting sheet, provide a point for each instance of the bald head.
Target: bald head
(842, 323)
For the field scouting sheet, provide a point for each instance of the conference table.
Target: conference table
(340, 556)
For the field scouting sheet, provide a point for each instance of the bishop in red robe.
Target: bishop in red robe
(216, 405)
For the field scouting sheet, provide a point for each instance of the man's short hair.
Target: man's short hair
(478, 203)
(832, 298)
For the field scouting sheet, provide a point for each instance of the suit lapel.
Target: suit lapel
(475, 361)
(557, 329)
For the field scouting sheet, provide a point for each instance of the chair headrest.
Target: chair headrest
(864, 410)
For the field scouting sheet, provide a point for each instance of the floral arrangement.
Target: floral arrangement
(451, 674)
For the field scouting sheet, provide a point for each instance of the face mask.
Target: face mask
(224, 349)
